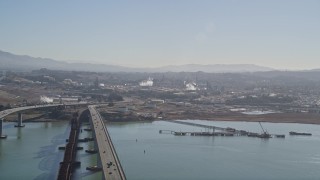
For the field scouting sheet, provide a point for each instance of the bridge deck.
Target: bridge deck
(13, 110)
(110, 163)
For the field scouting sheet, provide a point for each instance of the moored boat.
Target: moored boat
(280, 136)
(301, 134)
(264, 135)
(94, 168)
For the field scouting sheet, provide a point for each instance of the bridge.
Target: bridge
(19, 110)
(108, 161)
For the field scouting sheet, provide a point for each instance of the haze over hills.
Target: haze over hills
(27, 63)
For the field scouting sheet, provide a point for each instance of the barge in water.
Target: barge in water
(301, 134)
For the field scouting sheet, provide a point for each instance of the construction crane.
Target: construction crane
(262, 128)
(265, 133)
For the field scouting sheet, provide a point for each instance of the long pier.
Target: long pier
(109, 161)
(223, 131)
(199, 125)
(184, 133)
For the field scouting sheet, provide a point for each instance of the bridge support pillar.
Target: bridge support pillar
(1, 135)
(19, 120)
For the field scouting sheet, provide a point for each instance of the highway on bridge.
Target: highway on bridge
(110, 163)
(18, 109)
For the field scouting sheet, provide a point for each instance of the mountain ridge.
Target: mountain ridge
(25, 62)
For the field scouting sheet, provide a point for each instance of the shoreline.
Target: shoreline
(298, 118)
(186, 119)
(212, 120)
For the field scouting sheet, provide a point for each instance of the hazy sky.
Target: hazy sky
(147, 33)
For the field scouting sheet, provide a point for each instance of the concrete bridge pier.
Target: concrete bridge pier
(1, 135)
(19, 121)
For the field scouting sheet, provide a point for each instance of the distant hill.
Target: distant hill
(22, 62)
(217, 68)
(27, 63)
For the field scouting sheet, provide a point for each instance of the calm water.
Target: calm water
(189, 157)
(32, 152)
